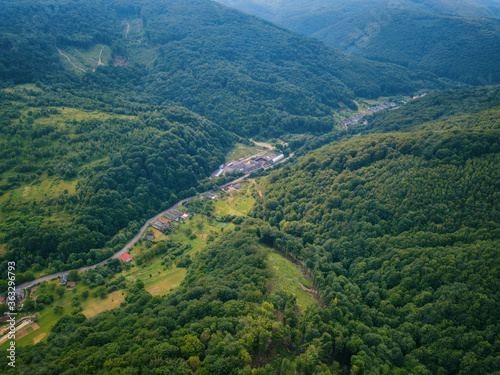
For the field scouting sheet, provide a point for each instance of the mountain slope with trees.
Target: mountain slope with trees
(73, 178)
(243, 73)
(457, 40)
(401, 232)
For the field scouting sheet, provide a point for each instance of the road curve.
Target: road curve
(128, 246)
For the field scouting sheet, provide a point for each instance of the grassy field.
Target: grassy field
(166, 283)
(26, 86)
(288, 278)
(93, 307)
(242, 151)
(41, 190)
(238, 203)
(66, 116)
(269, 144)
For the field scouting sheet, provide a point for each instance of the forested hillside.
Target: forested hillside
(72, 178)
(241, 72)
(401, 231)
(95, 141)
(223, 320)
(477, 109)
(458, 40)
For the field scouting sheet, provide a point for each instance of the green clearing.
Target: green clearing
(287, 278)
(85, 60)
(39, 190)
(371, 102)
(94, 307)
(242, 151)
(65, 116)
(154, 275)
(24, 87)
(139, 50)
(165, 284)
(236, 203)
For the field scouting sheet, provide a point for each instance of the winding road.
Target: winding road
(128, 246)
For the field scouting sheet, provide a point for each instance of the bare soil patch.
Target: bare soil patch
(39, 338)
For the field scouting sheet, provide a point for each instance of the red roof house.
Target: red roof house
(126, 258)
(163, 220)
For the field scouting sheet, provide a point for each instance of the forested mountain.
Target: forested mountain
(402, 230)
(293, 9)
(477, 109)
(458, 40)
(243, 73)
(72, 178)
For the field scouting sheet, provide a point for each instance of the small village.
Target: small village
(163, 224)
(354, 120)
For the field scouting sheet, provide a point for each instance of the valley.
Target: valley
(159, 276)
(189, 189)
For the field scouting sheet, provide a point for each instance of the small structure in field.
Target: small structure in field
(126, 258)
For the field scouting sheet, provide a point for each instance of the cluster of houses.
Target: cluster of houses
(354, 120)
(63, 281)
(165, 222)
(19, 298)
(419, 96)
(209, 195)
(381, 107)
(231, 187)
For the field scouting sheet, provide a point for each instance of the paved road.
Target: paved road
(128, 246)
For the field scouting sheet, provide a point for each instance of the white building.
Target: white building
(278, 158)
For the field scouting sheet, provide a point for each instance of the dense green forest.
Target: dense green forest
(245, 74)
(401, 232)
(457, 40)
(223, 320)
(71, 179)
